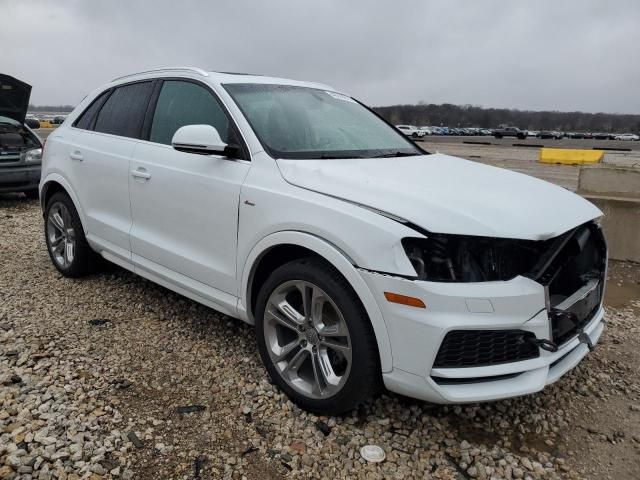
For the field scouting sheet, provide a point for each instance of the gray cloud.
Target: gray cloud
(561, 55)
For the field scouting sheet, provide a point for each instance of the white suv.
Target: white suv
(411, 131)
(362, 260)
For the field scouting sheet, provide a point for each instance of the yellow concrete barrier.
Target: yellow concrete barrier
(570, 156)
(45, 124)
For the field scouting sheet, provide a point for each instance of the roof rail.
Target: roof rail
(199, 71)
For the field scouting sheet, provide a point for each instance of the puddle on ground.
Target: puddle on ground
(623, 285)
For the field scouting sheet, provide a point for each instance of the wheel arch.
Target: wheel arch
(289, 245)
(56, 183)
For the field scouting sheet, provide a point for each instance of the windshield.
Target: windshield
(305, 123)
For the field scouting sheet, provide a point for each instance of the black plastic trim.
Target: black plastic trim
(472, 380)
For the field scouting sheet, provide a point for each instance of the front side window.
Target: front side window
(123, 112)
(186, 103)
(302, 123)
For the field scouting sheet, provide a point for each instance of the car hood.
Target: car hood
(446, 194)
(14, 98)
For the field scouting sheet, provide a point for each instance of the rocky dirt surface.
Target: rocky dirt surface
(113, 377)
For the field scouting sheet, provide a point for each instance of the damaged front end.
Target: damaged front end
(571, 267)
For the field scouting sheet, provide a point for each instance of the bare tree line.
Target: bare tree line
(474, 116)
(51, 108)
(450, 115)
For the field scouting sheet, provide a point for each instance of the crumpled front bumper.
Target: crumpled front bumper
(416, 335)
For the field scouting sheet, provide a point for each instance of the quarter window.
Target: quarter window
(123, 112)
(186, 103)
(86, 118)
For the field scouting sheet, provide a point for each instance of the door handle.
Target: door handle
(141, 173)
(76, 155)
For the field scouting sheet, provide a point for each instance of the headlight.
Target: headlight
(33, 156)
(462, 258)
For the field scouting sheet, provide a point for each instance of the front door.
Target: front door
(184, 205)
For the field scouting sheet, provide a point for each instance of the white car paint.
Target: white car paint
(446, 194)
(199, 224)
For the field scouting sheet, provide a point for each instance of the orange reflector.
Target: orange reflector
(404, 300)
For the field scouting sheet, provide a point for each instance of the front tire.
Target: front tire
(315, 338)
(64, 235)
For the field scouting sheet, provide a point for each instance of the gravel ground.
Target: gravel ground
(114, 377)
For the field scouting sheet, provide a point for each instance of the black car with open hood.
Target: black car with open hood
(20, 147)
(14, 98)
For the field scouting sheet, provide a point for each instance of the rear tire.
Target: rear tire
(323, 357)
(64, 235)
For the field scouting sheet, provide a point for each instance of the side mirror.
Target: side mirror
(202, 139)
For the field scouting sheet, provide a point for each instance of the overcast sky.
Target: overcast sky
(558, 55)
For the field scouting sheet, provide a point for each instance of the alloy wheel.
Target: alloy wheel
(61, 235)
(307, 339)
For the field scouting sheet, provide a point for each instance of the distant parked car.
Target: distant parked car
(20, 148)
(427, 130)
(32, 122)
(550, 134)
(410, 131)
(532, 133)
(588, 135)
(575, 135)
(510, 132)
(603, 136)
(628, 136)
(58, 119)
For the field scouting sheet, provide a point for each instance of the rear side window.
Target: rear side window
(186, 103)
(86, 118)
(123, 112)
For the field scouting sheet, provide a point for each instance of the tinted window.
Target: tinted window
(123, 112)
(186, 103)
(86, 118)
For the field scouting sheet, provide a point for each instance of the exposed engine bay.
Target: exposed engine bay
(557, 262)
(571, 267)
(15, 137)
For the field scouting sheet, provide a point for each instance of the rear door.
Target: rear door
(185, 205)
(99, 164)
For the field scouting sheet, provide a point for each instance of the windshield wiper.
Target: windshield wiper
(336, 157)
(397, 154)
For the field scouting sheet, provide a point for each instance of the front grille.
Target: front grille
(10, 158)
(481, 348)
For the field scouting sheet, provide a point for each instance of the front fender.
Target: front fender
(339, 261)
